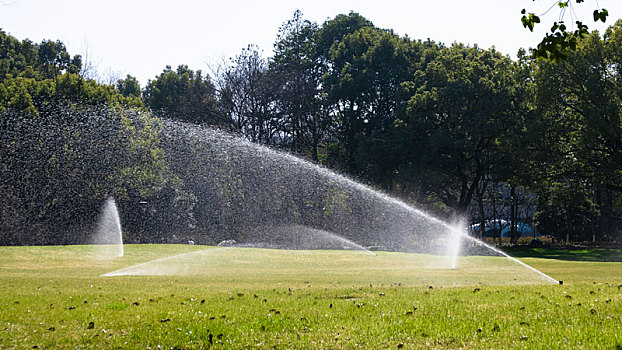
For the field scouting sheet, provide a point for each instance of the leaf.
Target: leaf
(601, 15)
(562, 27)
(530, 20)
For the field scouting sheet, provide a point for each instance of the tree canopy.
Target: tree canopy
(465, 132)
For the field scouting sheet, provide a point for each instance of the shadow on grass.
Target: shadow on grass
(572, 254)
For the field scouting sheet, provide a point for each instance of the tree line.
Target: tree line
(460, 130)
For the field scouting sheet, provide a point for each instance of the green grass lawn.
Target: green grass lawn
(574, 254)
(55, 297)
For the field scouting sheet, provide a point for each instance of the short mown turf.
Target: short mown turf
(55, 297)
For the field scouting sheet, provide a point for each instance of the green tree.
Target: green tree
(183, 94)
(55, 59)
(455, 121)
(34, 75)
(567, 212)
(129, 87)
(578, 133)
(296, 70)
(46, 60)
(18, 58)
(66, 144)
(247, 95)
(517, 143)
(54, 180)
(366, 72)
(332, 32)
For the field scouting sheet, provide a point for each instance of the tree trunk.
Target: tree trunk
(513, 209)
(495, 230)
(482, 214)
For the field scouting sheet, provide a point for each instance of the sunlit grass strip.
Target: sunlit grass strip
(330, 267)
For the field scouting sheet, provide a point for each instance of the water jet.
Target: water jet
(267, 198)
(108, 236)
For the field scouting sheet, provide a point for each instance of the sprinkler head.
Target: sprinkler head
(561, 282)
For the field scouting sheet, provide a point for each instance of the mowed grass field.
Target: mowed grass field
(196, 297)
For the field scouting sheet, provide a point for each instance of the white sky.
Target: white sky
(141, 37)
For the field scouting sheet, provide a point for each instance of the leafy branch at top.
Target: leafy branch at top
(560, 41)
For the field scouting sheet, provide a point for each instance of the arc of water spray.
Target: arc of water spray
(148, 268)
(458, 232)
(510, 257)
(331, 236)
